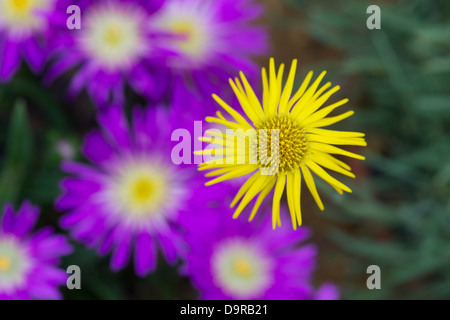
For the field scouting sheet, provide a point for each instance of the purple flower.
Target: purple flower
(327, 291)
(213, 40)
(114, 48)
(23, 33)
(130, 197)
(29, 262)
(231, 259)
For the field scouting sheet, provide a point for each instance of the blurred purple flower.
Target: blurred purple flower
(232, 259)
(132, 195)
(23, 35)
(29, 262)
(115, 47)
(212, 39)
(327, 291)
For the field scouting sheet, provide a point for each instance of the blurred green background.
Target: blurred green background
(398, 217)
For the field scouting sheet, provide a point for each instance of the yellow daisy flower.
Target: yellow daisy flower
(283, 141)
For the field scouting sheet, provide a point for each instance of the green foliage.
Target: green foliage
(19, 151)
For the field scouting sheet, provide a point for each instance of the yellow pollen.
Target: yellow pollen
(185, 29)
(143, 190)
(5, 263)
(291, 148)
(190, 41)
(113, 36)
(242, 268)
(20, 6)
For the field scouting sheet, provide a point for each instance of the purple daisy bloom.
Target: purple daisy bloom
(131, 195)
(23, 30)
(113, 48)
(231, 259)
(213, 39)
(29, 262)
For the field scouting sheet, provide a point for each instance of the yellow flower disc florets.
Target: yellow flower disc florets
(289, 146)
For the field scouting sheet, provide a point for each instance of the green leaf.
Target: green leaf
(18, 155)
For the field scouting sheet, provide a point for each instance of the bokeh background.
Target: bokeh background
(398, 217)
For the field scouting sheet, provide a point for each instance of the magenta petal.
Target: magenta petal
(140, 79)
(115, 124)
(168, 248)
(34, 54)
(107, 243)
(10, 61)
(96, 148)
(327, 291)
(52, 246)
(53, 275)
(61, 66)
(41, 290)
(80, 187)
(121, 255)
(26, 219)
(74, 217)
(80, 80)
(8, 220)
(145, 254)
(81, 169)
(77, 192)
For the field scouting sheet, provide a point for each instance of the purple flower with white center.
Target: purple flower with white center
(131, 195)
(114, 48)
(23, 30)
(29, 261)
(231, 259)
(213, 39)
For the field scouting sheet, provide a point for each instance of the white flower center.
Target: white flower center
(14, 264)
(241, 269)
(21, 17)
(190, 24)
(114, 36)
(143, 192)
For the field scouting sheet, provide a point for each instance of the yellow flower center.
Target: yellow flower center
(21, 17)
(188, 42)
(21, 6)
(289, 147)
(5, 263)
(143, 195)
(142, 190)
(113, 36)
(192, 39)
(242, 268)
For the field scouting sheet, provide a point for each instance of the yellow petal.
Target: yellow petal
(334, 150)
(244, 188)
(288, 88)
(279, 188)
(326, 177)
(313, 105)
(261, 197)
(238, 172)
(240, 119)
(304, 100)
(312, 186)
(297, 194)
(290, 190)
(254, 189)
(300, 91)
(329, 121)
